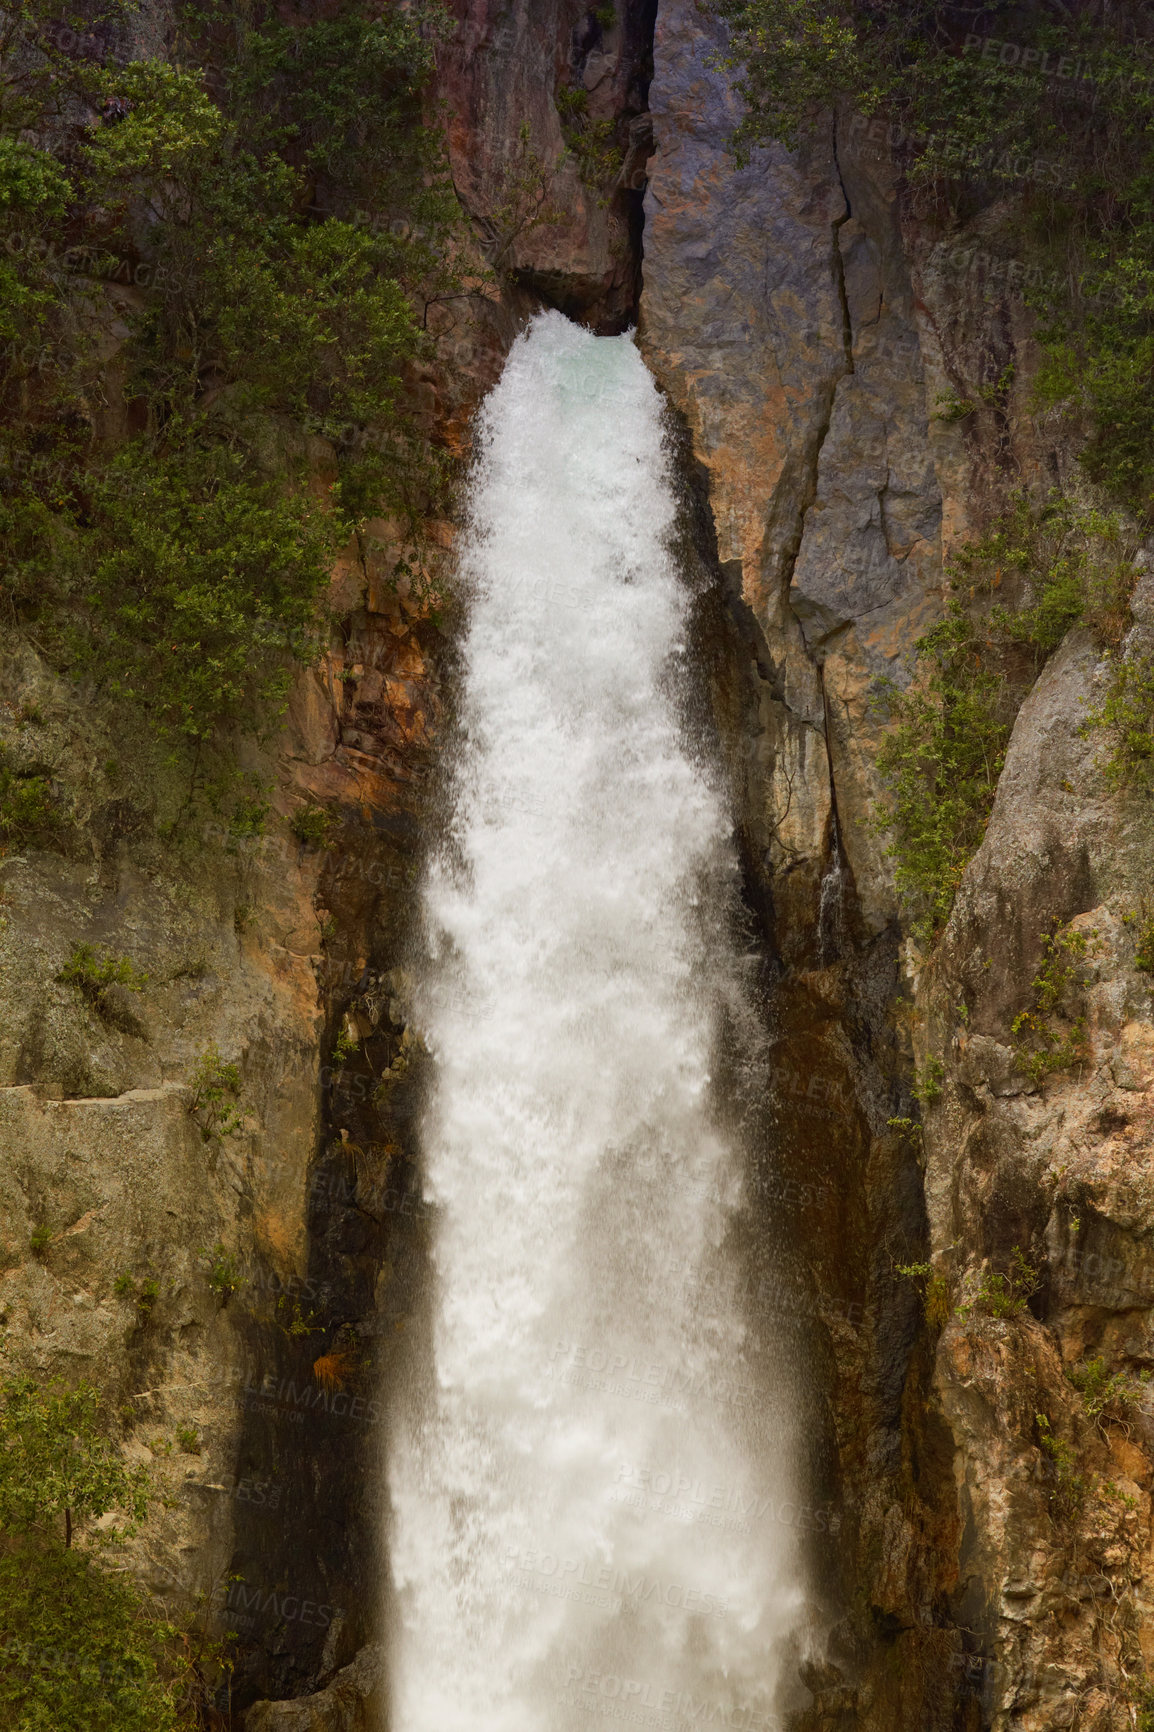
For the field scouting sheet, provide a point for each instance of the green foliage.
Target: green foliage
(188, 1439)
(592, 142)
(79, 1650)
(224, 1276)
(248, 819)
(522, 201)
(1127, 715)
(295, 1321)
(56, 1465)
(942, 758)
(1078, 149)
(1143, 1701)
(1040, 1046)
(1005, 1294)
(206, 584)
(185, 572)
(941, 763)
(927, 1086)
(1069, 1487)
(28, 812)
(344, 1047)
(1143, 919)
(40, 1241)
(215, 1092)
(145, 1294)
(94, 972)
(909, 1131)
(311, 825)
(935, 1290)
(1105, 1394)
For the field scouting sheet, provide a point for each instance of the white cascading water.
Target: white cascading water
(588, 1514)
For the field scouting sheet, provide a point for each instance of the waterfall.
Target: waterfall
(589, 1486)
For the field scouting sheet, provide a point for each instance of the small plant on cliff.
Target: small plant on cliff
(294, 1320)
(1106, 1395)
(1142, 1696)
(935, 1289)
(311, 825)
(1040, 1046)
(1126, 714)
(40, 1241)
(927, 1084)
(941, 762)
(93, 973)
(344, 1046)
(1005, 1294)
(598, 157)
(215, 1092)
(28, 812)
(1068, 1487)
(909, 1132)
(1142, 920)
(224, 1276)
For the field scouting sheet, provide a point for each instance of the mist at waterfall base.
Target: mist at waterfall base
(583, 1483)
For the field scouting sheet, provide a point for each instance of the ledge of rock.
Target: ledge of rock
(351, 1703)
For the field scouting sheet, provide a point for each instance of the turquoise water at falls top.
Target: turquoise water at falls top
(583, 1487)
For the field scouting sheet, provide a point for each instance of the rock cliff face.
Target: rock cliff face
(806, 320)
(988, 1570)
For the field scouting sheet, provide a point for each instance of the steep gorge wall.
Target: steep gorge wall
(806, 318)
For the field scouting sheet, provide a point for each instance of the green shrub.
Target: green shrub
(1005, 1294)
(344, 1046)
(28, 812)
(203, 589)
(56, 1465)
(40, 1241)
(935, 1289)
(1127, 716)
(224, 1276)
(944, 753)
(80, 1650)
(1040, 1045)
(927, 1086)
(1142, 1696)
(1069, 1486)
(311, 825)
(598, 156)
(1105, 1394)
(215, 1092)
(248, 820)
(188, 1439)
(1143, 919)
(79, 1646)
(93, 972)
(908, 1131)
(186, 571)
(941, 762)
